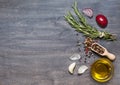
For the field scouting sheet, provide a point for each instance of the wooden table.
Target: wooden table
(36, 42)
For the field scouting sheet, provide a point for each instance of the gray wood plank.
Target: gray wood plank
(35, 41)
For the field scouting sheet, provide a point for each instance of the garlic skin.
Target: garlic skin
(82, 69)
(88, 12)
(75, 56)
(72, 67)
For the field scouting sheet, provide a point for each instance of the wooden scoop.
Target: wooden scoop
(102, 51)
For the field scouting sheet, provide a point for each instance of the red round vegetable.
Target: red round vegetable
(101, 20)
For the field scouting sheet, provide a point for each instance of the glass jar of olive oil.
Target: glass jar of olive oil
(102, 70)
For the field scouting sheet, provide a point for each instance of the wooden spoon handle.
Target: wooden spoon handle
(110, 56)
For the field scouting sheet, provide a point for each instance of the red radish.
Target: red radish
(88, 12)
(101, 20)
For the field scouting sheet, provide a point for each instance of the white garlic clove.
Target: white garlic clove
(82, 69)
(75, 56)
(71, 67)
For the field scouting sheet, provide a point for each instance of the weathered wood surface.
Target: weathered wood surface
(35, 41)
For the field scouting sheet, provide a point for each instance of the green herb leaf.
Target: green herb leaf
(82, 26)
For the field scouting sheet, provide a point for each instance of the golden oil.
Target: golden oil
(102, 70)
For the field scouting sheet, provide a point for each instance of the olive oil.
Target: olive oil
(102, 70)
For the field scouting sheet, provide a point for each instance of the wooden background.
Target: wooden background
(36, 42)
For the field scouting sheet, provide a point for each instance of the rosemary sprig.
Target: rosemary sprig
(81, 25)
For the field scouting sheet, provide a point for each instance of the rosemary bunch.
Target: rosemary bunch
(80, 24)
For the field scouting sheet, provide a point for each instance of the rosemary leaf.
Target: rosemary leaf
(83, 27)
(79, 15)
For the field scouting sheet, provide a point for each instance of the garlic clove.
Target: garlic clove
(88, 12)
(71, 67)
(75, 56)
(82, 69)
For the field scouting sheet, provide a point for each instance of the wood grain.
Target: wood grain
(35, 41)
